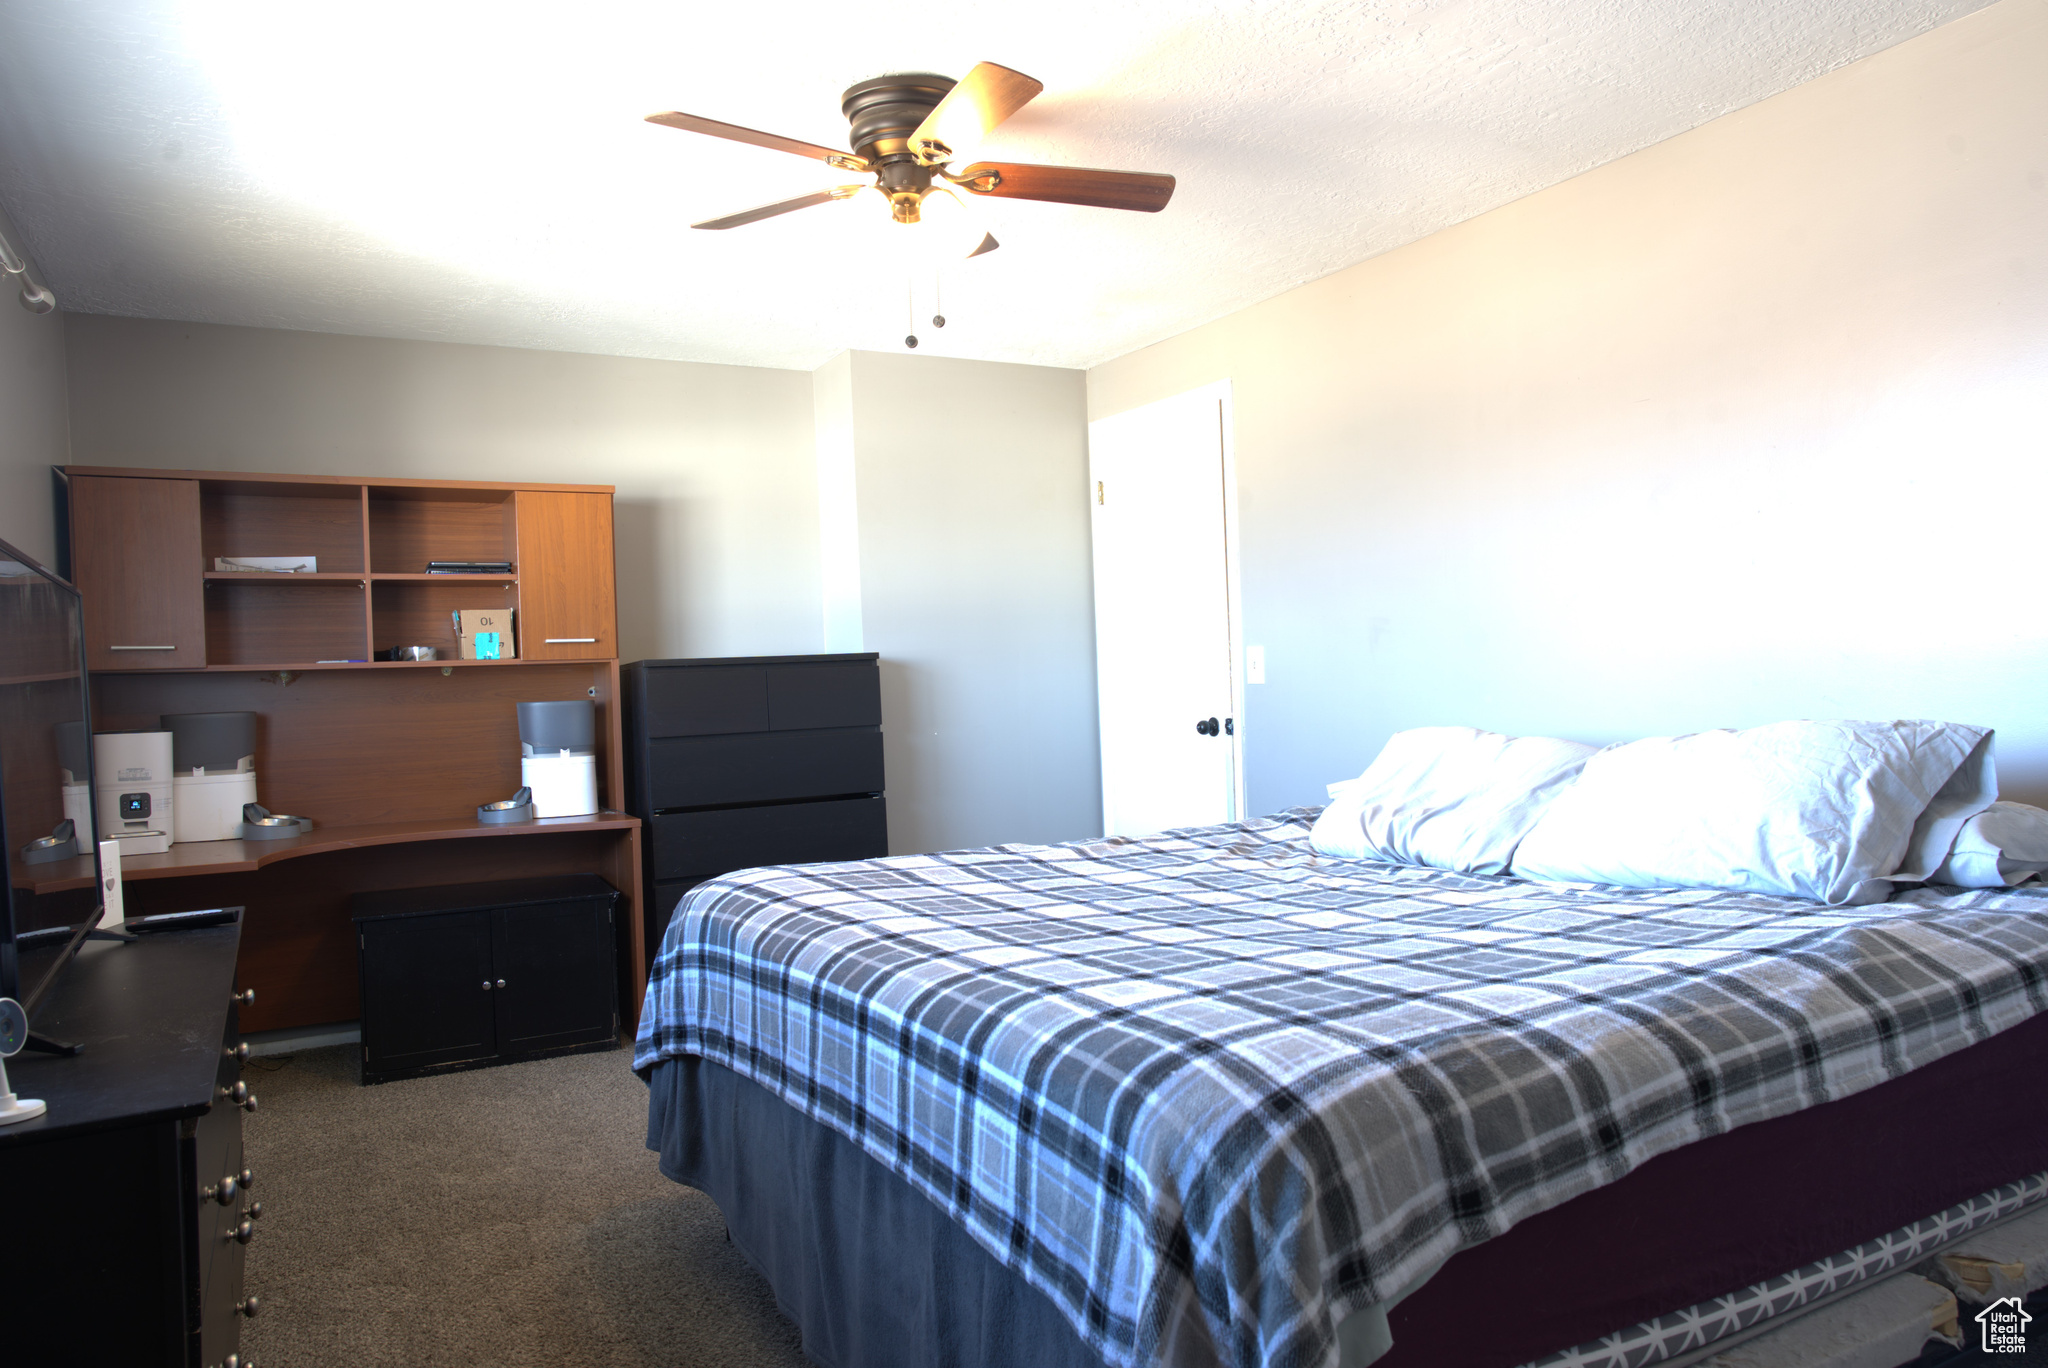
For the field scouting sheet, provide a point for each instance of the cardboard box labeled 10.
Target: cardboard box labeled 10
(486, 634)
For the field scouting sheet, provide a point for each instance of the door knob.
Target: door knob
(1208, 727)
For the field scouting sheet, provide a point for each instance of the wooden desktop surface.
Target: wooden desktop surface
(193, 858)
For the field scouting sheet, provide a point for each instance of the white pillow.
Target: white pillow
(1834, 811)
(2004, 845)
(1451, 797)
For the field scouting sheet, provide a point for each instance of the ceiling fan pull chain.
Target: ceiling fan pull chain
(938, 299)
(910, 311)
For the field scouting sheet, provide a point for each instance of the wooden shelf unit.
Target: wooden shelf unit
(389, 758)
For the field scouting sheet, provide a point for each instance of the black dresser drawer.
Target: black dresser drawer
(217, 1154)
(707, 701)
(697, 845)
(707, 771)
(805, 697)
(785, 695)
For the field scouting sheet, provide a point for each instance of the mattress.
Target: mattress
(1217, 1099)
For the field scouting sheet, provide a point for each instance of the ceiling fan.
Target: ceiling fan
(904, 131)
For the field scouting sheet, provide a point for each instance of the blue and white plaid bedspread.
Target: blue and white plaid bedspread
(1212, 1093)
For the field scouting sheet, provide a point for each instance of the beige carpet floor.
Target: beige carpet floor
(502, 1217)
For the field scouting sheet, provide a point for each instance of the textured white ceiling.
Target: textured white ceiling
(479, 172)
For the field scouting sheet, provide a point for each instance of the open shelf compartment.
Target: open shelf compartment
(240, 518)
(421, 612)
(410, 526)
(270, 617)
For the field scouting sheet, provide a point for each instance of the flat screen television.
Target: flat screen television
(53, 892)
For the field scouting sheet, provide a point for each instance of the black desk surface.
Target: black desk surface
(151, 1016)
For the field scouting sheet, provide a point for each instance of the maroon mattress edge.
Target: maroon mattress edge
(1738, 1208)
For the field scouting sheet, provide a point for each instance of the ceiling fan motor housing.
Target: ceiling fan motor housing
(884, 111)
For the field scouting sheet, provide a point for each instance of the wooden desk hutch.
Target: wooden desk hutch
(389, 758)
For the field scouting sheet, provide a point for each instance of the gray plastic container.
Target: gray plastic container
(215, 742)
(549, 728)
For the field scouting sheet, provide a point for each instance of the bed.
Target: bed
(1211, 1098)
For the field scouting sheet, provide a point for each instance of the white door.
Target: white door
(1163, 508)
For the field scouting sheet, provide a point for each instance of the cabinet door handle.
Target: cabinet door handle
(545, 641)
(487, 985)
(142, 648)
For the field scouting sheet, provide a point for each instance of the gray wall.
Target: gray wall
(717, 510)
(975, 588)
(1750, 425)
(35, 424)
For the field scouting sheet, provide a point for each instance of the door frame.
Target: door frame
(1219, 392)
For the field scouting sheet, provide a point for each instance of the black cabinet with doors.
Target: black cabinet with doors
(474, 974)
(752, 760)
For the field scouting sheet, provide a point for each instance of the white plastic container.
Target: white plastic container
(78, 807)
(564, 784)
(208, 807)
(133, 793)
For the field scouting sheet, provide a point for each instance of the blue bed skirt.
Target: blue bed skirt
(873, 1274)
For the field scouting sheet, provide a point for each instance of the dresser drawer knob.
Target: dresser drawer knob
(222, 1192)
(245, 998)
(255, 1211)
(248, 1179)
(247, 1104)
(238, 1094)
(243, 1232)
(248, 1306)
(238, 1053)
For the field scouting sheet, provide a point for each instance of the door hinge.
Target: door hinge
(1098, 491)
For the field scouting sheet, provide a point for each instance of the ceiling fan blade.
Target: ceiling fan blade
(988, 244)
(1144, 191)
(984, 98)
(788, 206)
(690, 123)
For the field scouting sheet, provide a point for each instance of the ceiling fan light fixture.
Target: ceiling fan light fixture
(907, 129)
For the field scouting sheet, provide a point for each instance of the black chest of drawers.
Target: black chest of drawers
(128, 1203)
(752, 760)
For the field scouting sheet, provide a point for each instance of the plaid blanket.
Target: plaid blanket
(1212, 1093)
